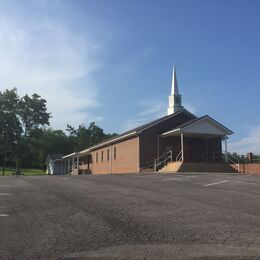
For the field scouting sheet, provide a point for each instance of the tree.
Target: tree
(18, 118)
(25, 138)
(83, 137)
(33, 113)
(10, 127)
(47, 141)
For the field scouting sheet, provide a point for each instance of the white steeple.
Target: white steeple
(175, 89)
(175, 97)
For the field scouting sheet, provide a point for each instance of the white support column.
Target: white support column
(206, 141)
(182, 148)
(78, 164)
(68, 165)
(61, 171)
(226, 156)
(158, 144)
(110, 158)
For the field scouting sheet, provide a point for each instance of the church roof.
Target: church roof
(136, 131)
(186, 127)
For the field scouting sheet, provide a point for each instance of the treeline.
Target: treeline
(26, 138)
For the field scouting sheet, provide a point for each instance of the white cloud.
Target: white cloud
(53, 61)
(250, 143)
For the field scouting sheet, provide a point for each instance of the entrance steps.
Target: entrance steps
(197, 167)
(74, 172)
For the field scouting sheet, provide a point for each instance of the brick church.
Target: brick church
(169, 143)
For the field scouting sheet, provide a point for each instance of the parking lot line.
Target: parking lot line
(4, 215)
(214, 183)
(4, 185)
(6, 194)
(147, 176)
(244, 182)
(169, 179)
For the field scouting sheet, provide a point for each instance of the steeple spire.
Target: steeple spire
(175, 89)
(175, 97)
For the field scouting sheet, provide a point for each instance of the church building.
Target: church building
(179, 141)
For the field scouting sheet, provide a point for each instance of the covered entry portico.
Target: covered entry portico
(199, 140)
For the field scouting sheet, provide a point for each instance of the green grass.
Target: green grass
(25, 171)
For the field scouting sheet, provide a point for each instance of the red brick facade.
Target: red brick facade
(136, 150)
(250, 168)
(121, 157)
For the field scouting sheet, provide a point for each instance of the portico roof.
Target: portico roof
(203, 126)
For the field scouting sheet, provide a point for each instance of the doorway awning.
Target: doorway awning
(201, 127)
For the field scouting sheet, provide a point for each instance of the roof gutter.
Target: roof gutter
(107, 142)
(69, 155)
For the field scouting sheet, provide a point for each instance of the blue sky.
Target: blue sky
(111, 61)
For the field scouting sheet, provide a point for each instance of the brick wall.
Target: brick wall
(253, 168)
(126, 161)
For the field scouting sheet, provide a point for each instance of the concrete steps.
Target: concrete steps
(171, 167)
(197, 167)
(74, 172)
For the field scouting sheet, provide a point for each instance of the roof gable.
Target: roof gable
(206, 125)
(138, 130)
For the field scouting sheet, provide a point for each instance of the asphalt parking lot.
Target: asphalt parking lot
(131, 216)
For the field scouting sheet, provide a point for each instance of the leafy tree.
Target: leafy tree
(24, 138)
(85, 137)
(47, 141)
(10, 127)
(18, 118)
(33, 113)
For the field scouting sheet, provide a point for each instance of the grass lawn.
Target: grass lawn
(25, 171)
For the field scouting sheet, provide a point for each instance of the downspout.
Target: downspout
(138, 154)
(110, 158)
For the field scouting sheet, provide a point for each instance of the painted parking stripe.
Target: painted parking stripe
(4, 215)
(244, 182)
(4, 185)
(6, 194)
(169, 179)
(214, 183)
(147, 176)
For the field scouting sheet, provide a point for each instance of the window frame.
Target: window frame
(115, 151)
(96, 157)
(108, 154)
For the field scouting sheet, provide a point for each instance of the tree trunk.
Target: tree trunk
(17, 170)
(4, 153)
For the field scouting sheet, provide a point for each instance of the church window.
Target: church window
(114, 153)
(108, 154)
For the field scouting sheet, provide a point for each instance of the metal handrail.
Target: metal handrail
(170, 152)
(169, 157)
(233, 161)
(178, 157)
(157, 160)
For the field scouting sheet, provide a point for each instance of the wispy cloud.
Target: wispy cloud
(250, 143)
(151, 109)
(48, 58)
